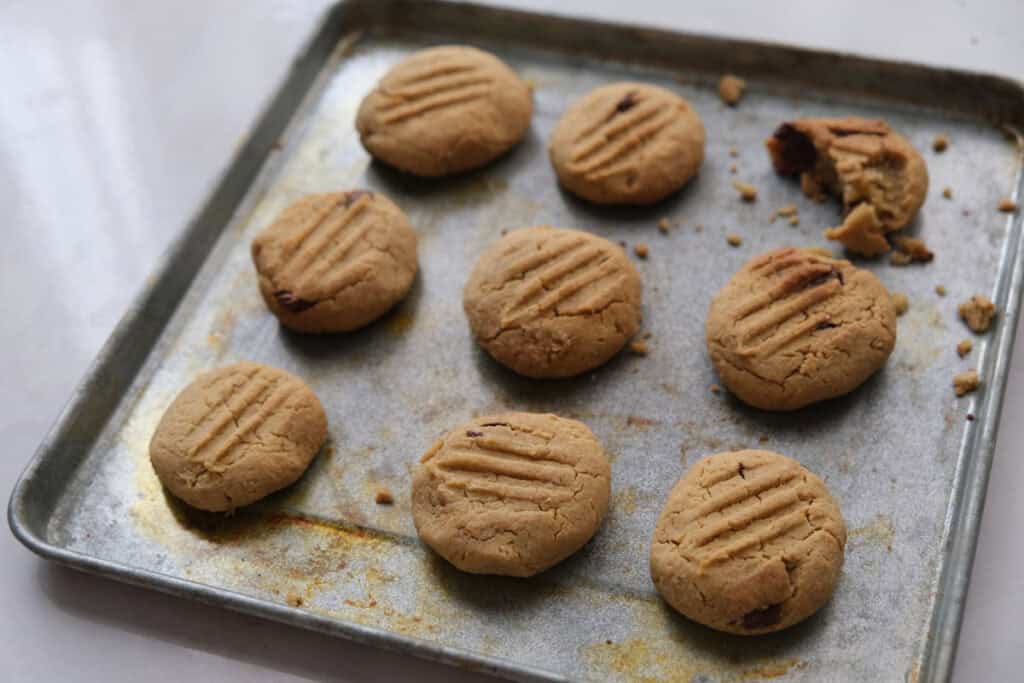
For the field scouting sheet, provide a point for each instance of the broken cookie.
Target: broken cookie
(861, 161)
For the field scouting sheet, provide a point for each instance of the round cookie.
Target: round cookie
(627, 143)
(511, 494)
(552, 302)
(880, 177)
(237, 434)
(335, 262)
(793, 327)
(748, 542)
(445, 110)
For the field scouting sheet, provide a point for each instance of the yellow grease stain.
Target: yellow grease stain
(879, 532)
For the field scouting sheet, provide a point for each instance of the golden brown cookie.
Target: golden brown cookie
(551, 302)
(793, 327)
(627, 143)
(237, 434)
(445, 110)
(864, 163)
(511, 494)
(335, 262)
(748, 542)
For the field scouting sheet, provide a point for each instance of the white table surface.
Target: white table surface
(116, 116)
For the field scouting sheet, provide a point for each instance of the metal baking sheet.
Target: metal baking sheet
(907, 466)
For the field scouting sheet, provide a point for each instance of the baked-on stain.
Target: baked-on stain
(290, 302)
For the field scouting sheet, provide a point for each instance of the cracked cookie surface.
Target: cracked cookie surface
(627, 143)
(748, 542)
(864, 163)
(552, 302)
(793, 327)
(445, 110)
(237, 434)
(511, 494)
(335, 262)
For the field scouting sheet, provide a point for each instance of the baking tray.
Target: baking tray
(907, 465)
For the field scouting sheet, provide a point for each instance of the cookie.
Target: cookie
(445, 110)
(627, 143)
(335, 262)
(748, 542)
(511, 494)
(864, 163)
(237, 434)
(793, 327)
(551, 302)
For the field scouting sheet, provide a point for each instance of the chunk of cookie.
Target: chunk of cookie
(861, 232)
(627, 143)
(237, 434)
(550, 302)
(511, 494)
(445, 110)
(978, 312)
(749, 542)
(861, 161)
(335, 262)
(730, 89)
(793, 327)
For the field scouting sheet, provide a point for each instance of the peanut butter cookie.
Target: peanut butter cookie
(793, 327)
(511, 494)
(237, 434)
(863, 162)
(335, 262)
(445, 110)
(550, 302)
(748, 542)
(627, 143)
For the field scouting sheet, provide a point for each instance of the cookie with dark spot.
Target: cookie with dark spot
(445, 110)
(794, 327)
(627, 143)
(748, 542)
(511, 494)
(881, 179)
(237, 434)
(335, 262)
(550, 302)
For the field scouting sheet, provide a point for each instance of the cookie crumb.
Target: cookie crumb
(639, 347)
(900, 302)
(1007, 205)
(733, 152)
(970, 417)
(788, 211)
(641, 249)
(730, 89)
(794, 221)
(977, 312)
(940, 143)
(663, 226)
(763, 438)
(748, 192)
(914, 248)
(733, 239)
(699, 228)
(966, 382)
(734, 169)
(384, 497)
(715, 388)
(964, 347)
(940, 290)
(947, 192)
(647, 335)
(898, 258)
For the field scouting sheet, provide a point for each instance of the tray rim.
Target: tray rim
(936, 656)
